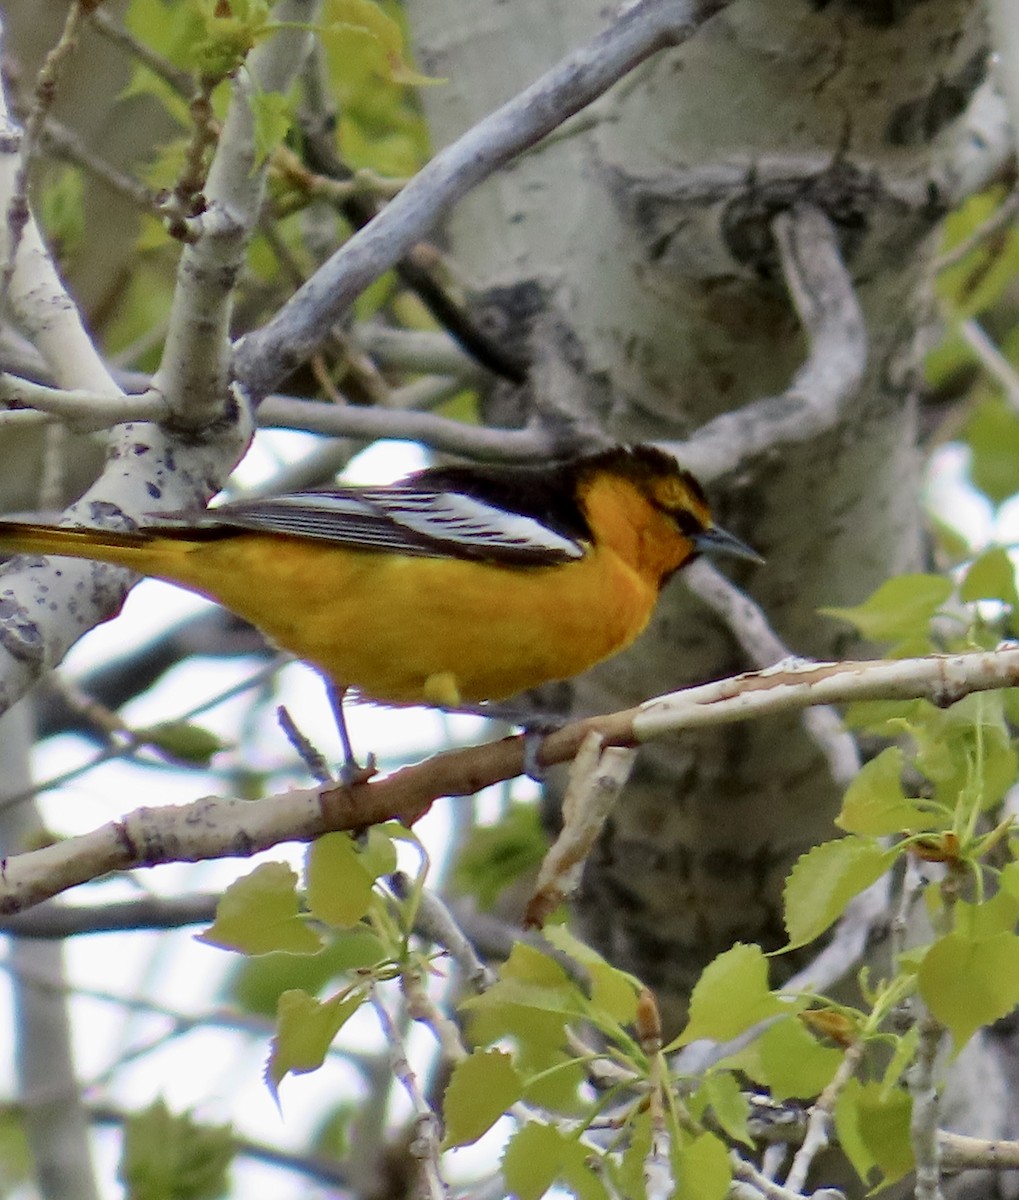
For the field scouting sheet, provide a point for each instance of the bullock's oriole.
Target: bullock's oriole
(456, 584)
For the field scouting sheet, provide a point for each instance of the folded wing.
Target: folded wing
(404, 520)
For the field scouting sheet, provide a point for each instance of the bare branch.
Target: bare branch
(217, 827)
(640, 30)
(194, 370)
(825, 299)
(442, 433)
(764, 648)
(597, 775)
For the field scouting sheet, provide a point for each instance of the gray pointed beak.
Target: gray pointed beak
(719, 541)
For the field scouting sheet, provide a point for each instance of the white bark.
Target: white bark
(633, 253)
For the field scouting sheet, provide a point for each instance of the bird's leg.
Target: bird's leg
(351, 772)
(534, 726)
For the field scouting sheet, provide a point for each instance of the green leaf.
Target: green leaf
(341, 871)
(182, 741)
(539, 1155)
(259, 982)
(967, 983)
(788, 1061)
(873, 1128)
(259, 913)
(991, 577)
(951, 742)
(613, 992)
(1000, 914)
(702, 1168)
(17, 1165)
(374, 34)
(992, 433)
(731, 1108)
(305, 1028)
(731, 995)
(167, 1157)
(494, 856)
(900, 608)
(272, 115)
(481, 1089)
(532, 1001)
(825, 879)
(875, 803)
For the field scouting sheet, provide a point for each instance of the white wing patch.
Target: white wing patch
(406, 520)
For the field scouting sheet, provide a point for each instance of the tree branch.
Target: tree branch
(266, 357)
(217, 827)
(823, 294)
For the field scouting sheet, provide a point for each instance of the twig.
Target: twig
(136, 741)
(992, 360)
(923, 1125)
(442, 433)
(18, 214)
(64, 143)
(56, 920)
(640, 30)
(960, 1153)
(825, 299)
(1003, 215)
(424, 1147)
(434, 922)
(179, 80)
(80, 410)
(819, 1122)
(194, 370)
(415, 350)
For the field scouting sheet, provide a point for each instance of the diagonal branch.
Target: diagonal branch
(217, 827)
(643, 28)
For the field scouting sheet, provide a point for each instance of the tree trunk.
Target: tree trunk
(633, 253)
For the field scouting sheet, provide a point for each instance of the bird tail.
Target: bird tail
(134, 550)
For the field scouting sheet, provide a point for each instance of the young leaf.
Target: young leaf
(613, 992)
(875, 803)
(967, 983)
(259, 913)
(873, 1127)
(993, 435)
(537, 1155)
(305, 1028)
(702, 1168)
(730, 1106)
(731, 995)
(788, 1061)
(825, 879)
(991, 577)
(165, 1155)
(341, 874)
(900, 608)
(480, 1091)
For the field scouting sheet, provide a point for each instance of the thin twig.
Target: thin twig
(179, 80)
(1003, 215)
(923, 1125)
(424, 1147)
(992, 360)
(818, 1131)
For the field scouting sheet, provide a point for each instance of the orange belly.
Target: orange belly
(402, 630)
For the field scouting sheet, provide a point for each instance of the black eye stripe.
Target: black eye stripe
(684, 520)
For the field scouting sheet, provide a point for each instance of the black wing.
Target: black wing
(404, 519)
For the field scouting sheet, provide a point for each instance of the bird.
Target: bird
(457, 585)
